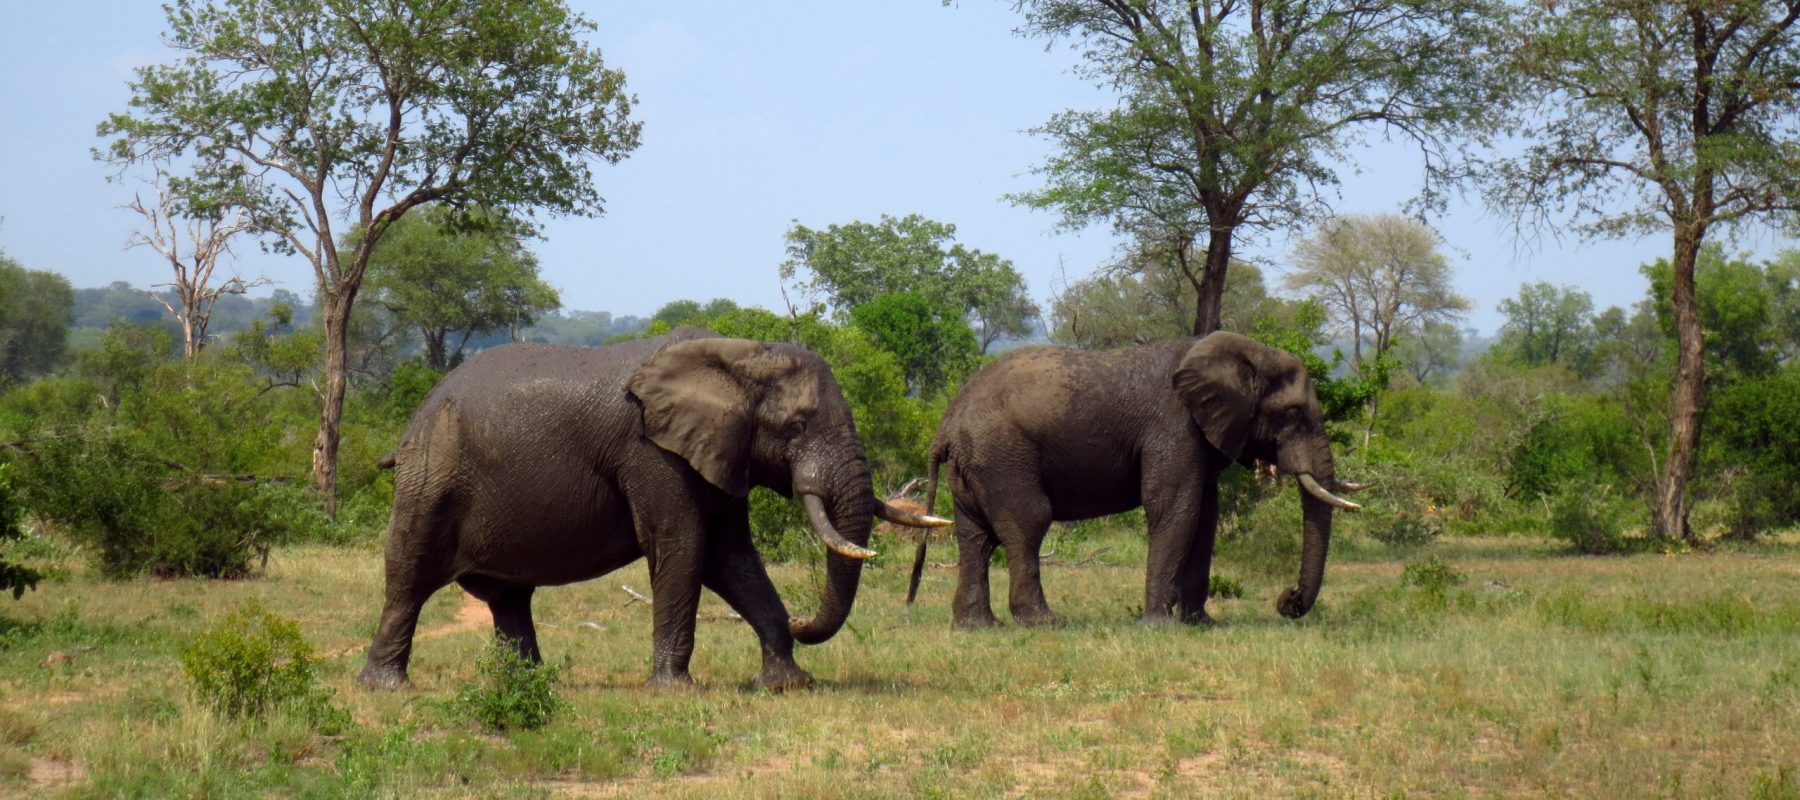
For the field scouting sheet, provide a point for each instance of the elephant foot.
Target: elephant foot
(970, 622)
(1038, 618)
(379, 677)
(782, 676)
(1198, 619)
(1157, 619)
(676, 681)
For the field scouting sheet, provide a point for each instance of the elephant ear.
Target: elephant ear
(1220, 385)
(697, 405)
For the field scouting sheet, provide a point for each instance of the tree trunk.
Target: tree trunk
(1671, 516)
(435, 356)
(1210, 295)
(325, 445)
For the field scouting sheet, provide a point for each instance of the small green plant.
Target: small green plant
(1405, 528)
(1224, 587)
(1433, 578)
(511, 693)
(254, 660)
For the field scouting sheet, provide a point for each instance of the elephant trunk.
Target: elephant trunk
(846, 515)
(1296, 602)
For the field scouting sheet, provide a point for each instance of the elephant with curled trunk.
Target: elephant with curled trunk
(532, 465)
(1046, 433)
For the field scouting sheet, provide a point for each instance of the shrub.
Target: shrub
(1589, 517)
(1266, 539)
(251, 662)
(1754, 431)
(511, 693)
(13, 578)
(1224, 588)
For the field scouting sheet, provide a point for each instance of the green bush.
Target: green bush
(252, 662)
(13, 578)
(511, 693)
(1224, 587)
(1753, 429)
(1576, 438)
(1589, 517)
(1266, 539)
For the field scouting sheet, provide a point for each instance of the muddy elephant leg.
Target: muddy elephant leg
(413, 572)
(975, 543)
(1171, 507)
(734, 570)
(1021, 529)
(1196, 572)
(510, 605)
(675, 599)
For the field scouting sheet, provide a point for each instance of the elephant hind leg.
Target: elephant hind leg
(1021, 530)
(416, 566)
(511, 606)
(975, 543)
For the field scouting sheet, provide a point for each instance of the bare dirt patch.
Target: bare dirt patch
(55, 773)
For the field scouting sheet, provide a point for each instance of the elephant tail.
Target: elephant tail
(387, 461)
(933, 460)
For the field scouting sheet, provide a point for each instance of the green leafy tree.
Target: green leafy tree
(449, 284)
(35, 310)
(14, 578)
(1232, 112)
(1548, 324)
(1738, 308)
(848, 265)
(1673, 116)
(319, 116)
(934, 346)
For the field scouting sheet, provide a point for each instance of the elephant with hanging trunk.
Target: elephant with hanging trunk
(532, 465)
(1045, 434)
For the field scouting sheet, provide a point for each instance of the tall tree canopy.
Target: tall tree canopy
(1232, 112)
(1673, 116)
(850, 264)
(1379, 277)
(450, 284)
(317, 116)
(1548, 324)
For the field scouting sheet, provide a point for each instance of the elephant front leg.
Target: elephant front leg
(675, 597)
(1195, 578)
(1171, 509)
(735, 571)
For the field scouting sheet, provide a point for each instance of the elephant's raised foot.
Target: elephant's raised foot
(377, 677)
(781, 677)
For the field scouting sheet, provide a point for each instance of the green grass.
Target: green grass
(1538, 674)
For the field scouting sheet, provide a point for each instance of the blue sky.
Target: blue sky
(755, 115)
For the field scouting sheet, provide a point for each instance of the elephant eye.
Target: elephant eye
(794, 427)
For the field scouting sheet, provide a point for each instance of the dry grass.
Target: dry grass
(1541, 675)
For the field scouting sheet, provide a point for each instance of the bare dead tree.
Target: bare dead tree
(193, 247)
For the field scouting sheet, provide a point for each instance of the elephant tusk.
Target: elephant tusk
(1352, 486)
(1313, 488)
(900, 517)
(821, 524)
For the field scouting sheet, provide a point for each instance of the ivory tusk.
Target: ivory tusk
(1352, 486)
(821, 524)
(899, 517)
(1313, 488)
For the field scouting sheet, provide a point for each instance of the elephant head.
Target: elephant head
(745, 413)
(1252, 400)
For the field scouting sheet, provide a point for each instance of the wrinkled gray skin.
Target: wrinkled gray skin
(532, 465)
(1047, 433)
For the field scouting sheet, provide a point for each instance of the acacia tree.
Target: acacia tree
(449, 284)
(1231, 113)
(1675, 116)
(208, 238)
(315, 116)
(1378, 277)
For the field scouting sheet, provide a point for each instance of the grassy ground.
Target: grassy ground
(1538, 675)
